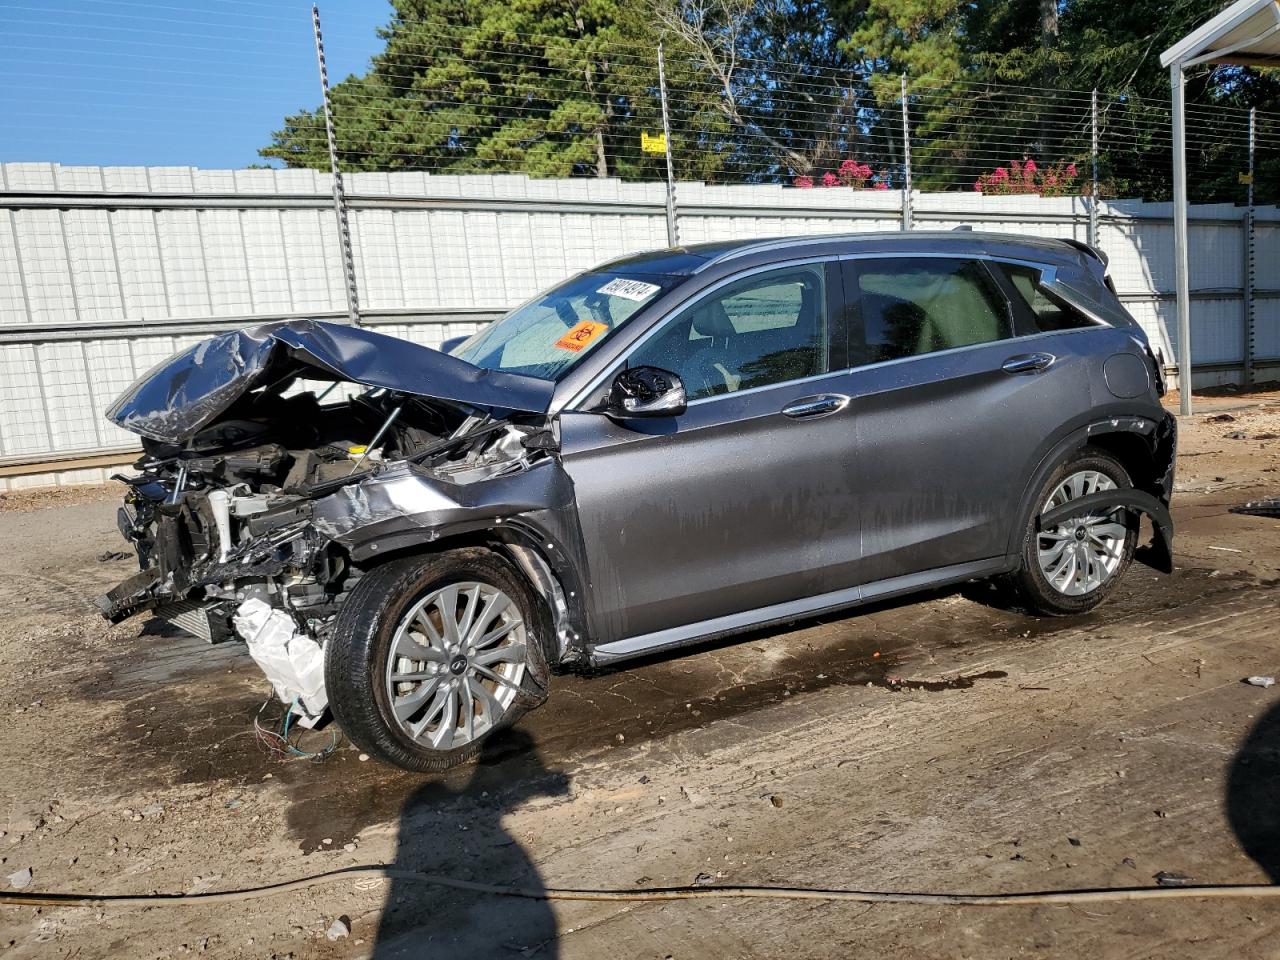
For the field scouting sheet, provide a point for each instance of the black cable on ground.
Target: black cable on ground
(1114, 895)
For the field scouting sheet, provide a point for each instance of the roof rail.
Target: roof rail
(772, 244)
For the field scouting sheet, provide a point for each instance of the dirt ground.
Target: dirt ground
(933, 744)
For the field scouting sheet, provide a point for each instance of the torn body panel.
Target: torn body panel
(1158, 554)
(532, 515)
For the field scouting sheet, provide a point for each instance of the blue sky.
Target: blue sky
(162, 82)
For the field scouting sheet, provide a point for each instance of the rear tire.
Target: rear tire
(1073, 567)
(431, 656)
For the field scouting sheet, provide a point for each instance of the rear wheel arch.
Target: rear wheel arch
(1091, 551)
(1131, 440)
(1135, 454)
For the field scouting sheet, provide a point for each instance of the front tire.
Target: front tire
(431, 656)
(1073, 567)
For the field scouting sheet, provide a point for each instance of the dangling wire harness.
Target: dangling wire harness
(283, 746)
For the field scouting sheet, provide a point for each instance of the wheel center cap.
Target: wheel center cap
(458, 666)
(1079, 533)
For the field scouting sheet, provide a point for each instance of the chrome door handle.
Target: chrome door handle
(810, 408)
(1028, 363)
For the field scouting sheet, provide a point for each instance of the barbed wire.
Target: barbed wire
(565, 105)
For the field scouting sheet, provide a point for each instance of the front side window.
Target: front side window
(552, 332)
(915, 306)
(764, 329)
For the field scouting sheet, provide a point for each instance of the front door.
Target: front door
(745, 501)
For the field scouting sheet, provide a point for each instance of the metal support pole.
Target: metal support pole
(673, 231)
(339, 195)
(906, 159)
(1093, 181)
(1249, 254)
(1178, 84)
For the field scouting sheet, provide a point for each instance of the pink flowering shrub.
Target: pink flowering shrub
(854, 174)
(1027, 177)
(850, 173)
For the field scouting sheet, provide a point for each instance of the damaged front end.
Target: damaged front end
(281, 459)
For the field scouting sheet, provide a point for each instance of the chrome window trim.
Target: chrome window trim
(1047, 270)
(770, 386)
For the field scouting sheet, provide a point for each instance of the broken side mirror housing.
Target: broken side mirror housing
(642, 392)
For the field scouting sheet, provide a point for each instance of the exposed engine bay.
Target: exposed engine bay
(244, 516)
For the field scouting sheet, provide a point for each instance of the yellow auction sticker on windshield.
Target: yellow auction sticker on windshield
(581, 335)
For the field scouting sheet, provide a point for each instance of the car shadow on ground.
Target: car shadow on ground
(458, 832)
(1253, 793)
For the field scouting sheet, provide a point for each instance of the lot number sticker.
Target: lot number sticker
(581, 335)
(636, 290)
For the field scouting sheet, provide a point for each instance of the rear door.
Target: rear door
(748, 499)
(955, 394)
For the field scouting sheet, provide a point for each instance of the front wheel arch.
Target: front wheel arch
(547, 573)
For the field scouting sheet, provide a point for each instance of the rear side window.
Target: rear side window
(1050, 313)
(915, 306)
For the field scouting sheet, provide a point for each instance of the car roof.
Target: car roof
(693, 258)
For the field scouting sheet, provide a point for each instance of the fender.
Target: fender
(549, 558)
(1160, 435)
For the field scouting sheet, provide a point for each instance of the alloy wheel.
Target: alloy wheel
(455, 664)
(1079, 555)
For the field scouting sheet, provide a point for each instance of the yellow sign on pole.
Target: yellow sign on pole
(1246, 178)
(653, 143)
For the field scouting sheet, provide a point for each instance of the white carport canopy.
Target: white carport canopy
(1246, 33)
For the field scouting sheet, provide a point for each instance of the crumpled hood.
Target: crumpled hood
(192, 388)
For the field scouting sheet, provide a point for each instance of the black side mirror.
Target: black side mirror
(646, 392)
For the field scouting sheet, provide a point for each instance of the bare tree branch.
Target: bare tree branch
(713, 30)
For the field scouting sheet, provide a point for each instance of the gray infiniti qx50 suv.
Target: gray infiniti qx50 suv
(669, 447)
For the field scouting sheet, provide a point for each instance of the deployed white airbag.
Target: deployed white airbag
(292, 661)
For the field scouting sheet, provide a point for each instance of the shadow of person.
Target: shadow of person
(1253, 793)
(457, 831)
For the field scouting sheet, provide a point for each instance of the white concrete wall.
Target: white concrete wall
(106, 271)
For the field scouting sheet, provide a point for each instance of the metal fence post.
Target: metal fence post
(1178, 83)
(1249, 252)
(339, 195)
(673, 228)
(906, 159)
(1093, 182)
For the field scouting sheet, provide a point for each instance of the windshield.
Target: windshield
(548, 335)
